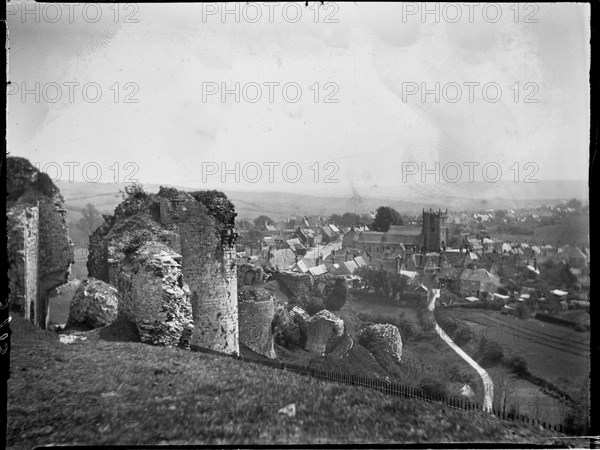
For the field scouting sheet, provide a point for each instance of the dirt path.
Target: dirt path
(488, 384)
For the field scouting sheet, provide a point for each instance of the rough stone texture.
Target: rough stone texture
(210, 271)
(95, 304)
(250, 275)
(22, 246)
(382, 338)
(298, 284)
(199, 226)
(154, 297)
(256, 314)
(40, 252)
(299, 314)
(320, 328)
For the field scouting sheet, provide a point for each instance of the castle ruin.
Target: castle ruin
(40, 252)
(198, 226)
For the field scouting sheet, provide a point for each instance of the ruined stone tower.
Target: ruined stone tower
(199, 227)
(435, 230)
(209, 269)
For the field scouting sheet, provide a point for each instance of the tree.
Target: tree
(260, 221)
(506, 385)
(349, 219)
(388, 284)
(397, 283)
(338, 295)
(574, 203)
(385, 217)
(244, 225)
(90, 220)
(557, 274)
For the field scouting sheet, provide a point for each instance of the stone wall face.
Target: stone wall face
(382, 338)
(95, 304)
(177, 221)
(56, 249)
(256, 314)
(39, 247)
(320, 328)
(97, 263)
(299, 284)
(250, 275)
(23, 249)
(210, 272)
(154, 297)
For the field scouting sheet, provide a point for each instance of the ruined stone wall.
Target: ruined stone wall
(94, 304)
(97, 263)
(182, 222)
(209, 269)
(152, 295)
(39, 231)
(23, 249)
(299, 284)
(384, 338)
(320, 328)
(256, 314)
(250, 275)
(56, 248)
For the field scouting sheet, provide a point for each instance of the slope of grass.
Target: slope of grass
(103, 392)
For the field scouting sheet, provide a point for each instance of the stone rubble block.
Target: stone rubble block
(256, 311)
(95, 304)
(155, 298)
(382, 338)
(320, 328)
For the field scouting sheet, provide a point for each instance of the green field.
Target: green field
(554, 353)
(426, 351)
(571, 230)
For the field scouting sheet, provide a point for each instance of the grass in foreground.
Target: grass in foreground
(111, 392)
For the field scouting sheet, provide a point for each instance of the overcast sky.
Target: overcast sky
(369, 58)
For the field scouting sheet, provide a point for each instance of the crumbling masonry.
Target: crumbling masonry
(198, 226)
(40, 252)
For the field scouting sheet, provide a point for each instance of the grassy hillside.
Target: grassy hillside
(112, 390)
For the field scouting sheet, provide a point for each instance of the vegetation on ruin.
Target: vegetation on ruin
(217, 204)
(27, 183)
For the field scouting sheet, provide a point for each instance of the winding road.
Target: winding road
(488, 385)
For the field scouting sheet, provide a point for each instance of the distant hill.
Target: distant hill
(405, 198)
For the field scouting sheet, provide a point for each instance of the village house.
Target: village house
(473, 282)
(573, 256)
(306, 237)
(329, 233)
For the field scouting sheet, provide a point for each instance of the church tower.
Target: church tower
(435, 230)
